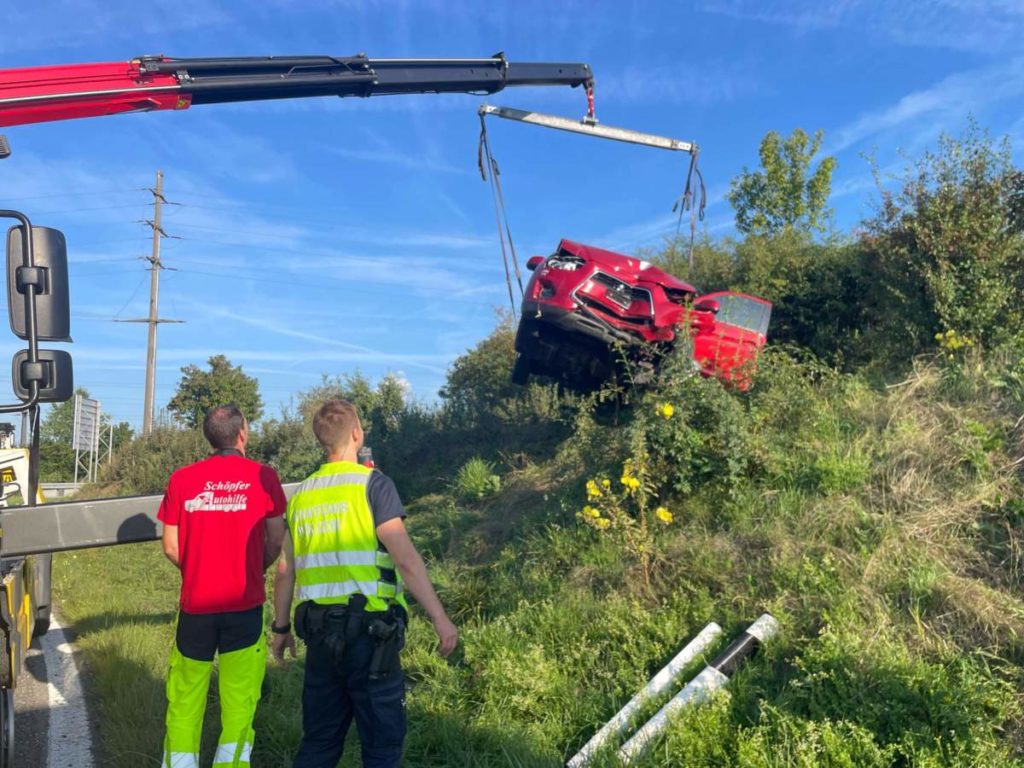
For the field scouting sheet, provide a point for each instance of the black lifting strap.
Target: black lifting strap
(686, 202)
(488, 165)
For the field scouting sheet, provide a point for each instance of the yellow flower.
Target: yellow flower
(606, 483)
(602, 523)
(589, 511)
(593, 492)
(664, 515)
(665, 410)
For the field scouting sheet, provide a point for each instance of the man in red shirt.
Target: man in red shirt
(223, 527)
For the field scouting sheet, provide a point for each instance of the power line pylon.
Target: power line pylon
(154, 296)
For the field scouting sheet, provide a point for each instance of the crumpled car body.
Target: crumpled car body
(588, 313)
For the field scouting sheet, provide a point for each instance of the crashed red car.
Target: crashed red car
(587, 310)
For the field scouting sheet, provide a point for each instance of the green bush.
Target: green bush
(145, 464)
(476, 480)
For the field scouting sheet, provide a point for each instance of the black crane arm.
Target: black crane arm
(212, 81)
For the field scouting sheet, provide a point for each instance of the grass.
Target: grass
(883, 528)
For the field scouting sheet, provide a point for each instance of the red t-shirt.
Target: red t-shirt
(219, 505)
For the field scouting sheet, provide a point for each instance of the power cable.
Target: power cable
(90, 193)
(142, 278)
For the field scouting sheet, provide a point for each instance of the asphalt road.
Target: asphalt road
(53, 727)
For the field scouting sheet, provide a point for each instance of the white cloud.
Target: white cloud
(984, 26)
(66, 23)
(682, 82)
(377, 149)
(943, 104)
(337, 348)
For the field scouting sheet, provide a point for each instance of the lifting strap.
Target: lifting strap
(489, 170)
(692, 200)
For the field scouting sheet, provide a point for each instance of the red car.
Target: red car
(586, 309)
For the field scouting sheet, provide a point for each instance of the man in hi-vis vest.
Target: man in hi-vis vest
(348, 552)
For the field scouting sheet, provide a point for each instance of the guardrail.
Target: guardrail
(58, 490)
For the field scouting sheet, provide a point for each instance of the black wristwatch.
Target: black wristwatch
(281, 630)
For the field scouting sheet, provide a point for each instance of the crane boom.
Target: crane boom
(151, 83)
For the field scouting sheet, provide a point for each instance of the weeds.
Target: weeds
(476, 480)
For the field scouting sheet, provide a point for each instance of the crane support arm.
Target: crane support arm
(70, 525)
(150, 83)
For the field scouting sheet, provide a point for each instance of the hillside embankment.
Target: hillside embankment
(882, 526)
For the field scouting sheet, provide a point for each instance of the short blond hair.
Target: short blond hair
(333, 423)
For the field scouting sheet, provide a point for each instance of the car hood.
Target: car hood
(628, 268)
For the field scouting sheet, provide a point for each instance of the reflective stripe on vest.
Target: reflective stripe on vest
(337, 553)
(180, 760)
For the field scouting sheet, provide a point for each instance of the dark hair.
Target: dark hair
(334, 422)
(223, 425)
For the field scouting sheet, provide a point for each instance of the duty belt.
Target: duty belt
(335, 626)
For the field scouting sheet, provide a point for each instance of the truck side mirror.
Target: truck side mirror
(533, 262)
(53, 371)
(49, 275)
(708, 305)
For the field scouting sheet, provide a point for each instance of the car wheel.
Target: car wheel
(521, 370)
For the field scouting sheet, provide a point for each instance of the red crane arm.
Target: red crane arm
(65, 92)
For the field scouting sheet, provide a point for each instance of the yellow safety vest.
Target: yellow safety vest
(337, 553)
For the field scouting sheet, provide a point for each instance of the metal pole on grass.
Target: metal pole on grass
(714, 676)
(658, 685)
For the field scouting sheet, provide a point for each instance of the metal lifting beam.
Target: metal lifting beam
(588, 128)
(72, 525)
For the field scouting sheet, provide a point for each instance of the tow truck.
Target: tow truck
(37, 282)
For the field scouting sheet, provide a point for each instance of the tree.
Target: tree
(480, 379)
(144, 465)
(56, 453)
(947, 247)
(288, 443)
(782, 195)
(199, 391)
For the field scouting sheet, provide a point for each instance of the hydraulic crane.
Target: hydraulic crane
(37, 272)
(152, 83)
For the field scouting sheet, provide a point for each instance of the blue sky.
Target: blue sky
(328, 235)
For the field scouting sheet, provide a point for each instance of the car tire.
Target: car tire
(521, 371)
(42, 623)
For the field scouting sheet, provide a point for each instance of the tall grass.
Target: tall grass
(884, 528)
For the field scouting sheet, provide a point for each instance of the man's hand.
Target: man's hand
(278, 644)
(447, 635)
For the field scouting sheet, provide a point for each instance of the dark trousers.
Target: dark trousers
(333, 695)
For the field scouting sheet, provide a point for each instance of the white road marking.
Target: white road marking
(70, 738)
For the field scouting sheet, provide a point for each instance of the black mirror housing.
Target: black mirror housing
(53, 371)
(49, 275)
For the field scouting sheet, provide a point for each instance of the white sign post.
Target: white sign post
(85, 438)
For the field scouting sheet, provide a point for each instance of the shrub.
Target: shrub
(145, 465)
(476, 480)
